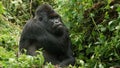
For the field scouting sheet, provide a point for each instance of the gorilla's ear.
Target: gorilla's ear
(38, 18)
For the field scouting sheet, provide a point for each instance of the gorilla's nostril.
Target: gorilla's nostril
(56, 22)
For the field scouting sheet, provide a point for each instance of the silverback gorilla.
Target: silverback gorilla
(46, 30)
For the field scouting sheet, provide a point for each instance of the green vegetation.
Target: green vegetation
(94, 27)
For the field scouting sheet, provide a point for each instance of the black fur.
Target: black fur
(47, 31)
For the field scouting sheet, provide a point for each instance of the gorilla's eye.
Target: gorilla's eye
(40, 18)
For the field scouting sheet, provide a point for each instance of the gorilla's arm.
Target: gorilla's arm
(70, 59)
(29, 36)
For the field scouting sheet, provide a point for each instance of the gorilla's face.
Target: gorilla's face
(52, 21)
(55, 26)
(56, 23)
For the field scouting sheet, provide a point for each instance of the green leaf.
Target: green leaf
(1, 8)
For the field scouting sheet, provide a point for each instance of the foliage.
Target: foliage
(11, 61)
(94, 30)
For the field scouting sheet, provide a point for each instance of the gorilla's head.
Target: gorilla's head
(51, 20)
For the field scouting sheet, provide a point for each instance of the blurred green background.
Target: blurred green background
(94, 27)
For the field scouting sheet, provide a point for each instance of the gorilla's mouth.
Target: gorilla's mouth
(57, 26)
(58, 30)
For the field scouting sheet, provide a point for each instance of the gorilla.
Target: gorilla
(46, 30)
